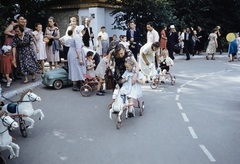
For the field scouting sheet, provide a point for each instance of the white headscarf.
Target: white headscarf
(79, 29)
(6, 48)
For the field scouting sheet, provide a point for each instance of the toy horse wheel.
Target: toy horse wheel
(23, 129)
(118, 124)
(2, 160)
(152, 85)
(142, 108)
(173, 80)
(86, 90)
(58, 84)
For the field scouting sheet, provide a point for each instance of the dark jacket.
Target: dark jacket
(172, 40)
(136, 35)
(86, 36)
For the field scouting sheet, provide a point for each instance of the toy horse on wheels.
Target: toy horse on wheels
(24, 110)
(7, 122)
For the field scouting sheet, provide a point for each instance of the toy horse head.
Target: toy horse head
(7, 121)
(28, 95)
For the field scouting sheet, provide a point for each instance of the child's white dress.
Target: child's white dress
(41, 55)
(132, 91)
(90, 72)
(99, 47)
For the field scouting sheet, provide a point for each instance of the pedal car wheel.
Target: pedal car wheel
(86, 90)
(152, 85)
(173, 80)
(142, 108)
(23, 129)
(57, 84)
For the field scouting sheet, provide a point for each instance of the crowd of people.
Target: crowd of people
(26, 50)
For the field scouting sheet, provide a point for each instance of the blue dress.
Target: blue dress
(75, 70)
(132, 91)
(233, 47)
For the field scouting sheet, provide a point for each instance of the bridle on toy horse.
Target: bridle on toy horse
(29, 96)
(8, 126)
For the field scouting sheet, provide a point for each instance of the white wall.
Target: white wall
(101, 18)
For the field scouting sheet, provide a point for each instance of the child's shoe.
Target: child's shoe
(99, 93)
(8, 85)
(75, 88)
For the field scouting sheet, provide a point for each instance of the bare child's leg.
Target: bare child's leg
(42, 64)
(8, 80)
(56, 65)
(101, 81)
(50, 65)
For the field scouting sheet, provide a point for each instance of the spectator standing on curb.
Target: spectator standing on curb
(72, 26)
(88, 36)
(22, 45)
(9, 34)
(41, 54)
(133, 37)
(104, 40)
(76, 58)
(52, 47)
(172, 40)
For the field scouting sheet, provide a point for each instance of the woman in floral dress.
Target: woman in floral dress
(22, 44)
(212, 45)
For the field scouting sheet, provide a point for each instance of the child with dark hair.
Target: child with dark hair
(65, 42)
(41, 54)
(90, 65)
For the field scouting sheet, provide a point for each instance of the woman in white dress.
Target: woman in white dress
(212, 45)
(147, 57)
(76, 58)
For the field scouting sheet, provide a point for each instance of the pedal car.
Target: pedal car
(56, 78)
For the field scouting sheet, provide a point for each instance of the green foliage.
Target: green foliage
(157, 11)
(182, 13)
(33, 10)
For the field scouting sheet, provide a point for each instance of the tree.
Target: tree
(33, 10)
(157, 11)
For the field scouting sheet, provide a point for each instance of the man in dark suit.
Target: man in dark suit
(188, 43)
(133, 36)
(172, 40)
(88, 36)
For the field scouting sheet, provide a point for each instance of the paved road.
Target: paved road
(195, 121)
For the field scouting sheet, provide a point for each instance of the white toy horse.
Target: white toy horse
(5, 138)
(153, 72)
(24, 107)
(117, 105)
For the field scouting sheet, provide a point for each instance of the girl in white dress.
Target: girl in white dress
(41, 54)
(131, 91)
(212, 45)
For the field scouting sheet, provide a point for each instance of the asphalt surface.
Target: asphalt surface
(193, 122)
(17, 87)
